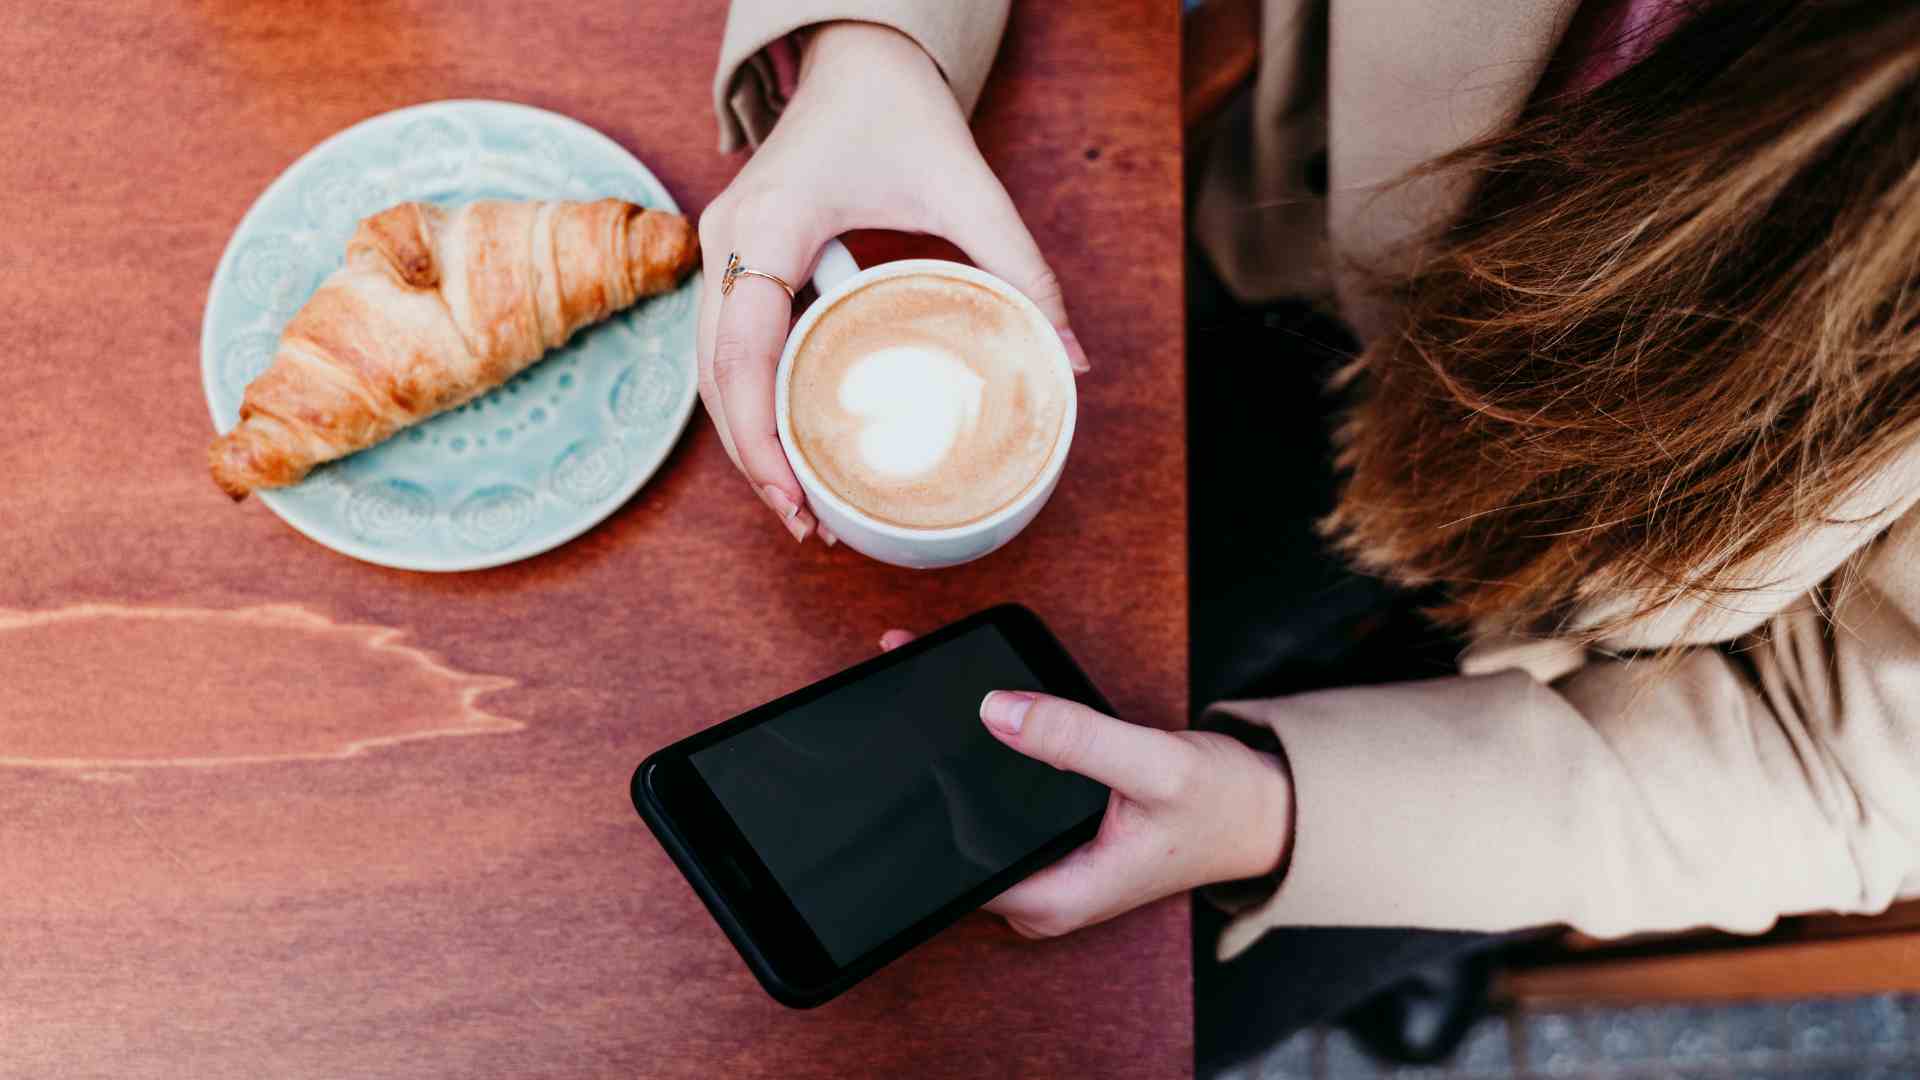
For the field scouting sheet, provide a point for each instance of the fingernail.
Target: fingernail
(781, 502)
(798, 521)
(1076, 356)
(826, 535)
(1005, 711)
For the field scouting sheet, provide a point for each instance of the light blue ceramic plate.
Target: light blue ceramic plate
(511, 474)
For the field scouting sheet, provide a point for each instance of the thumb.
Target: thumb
(988, 227)
(1140, 763)
(749, 327)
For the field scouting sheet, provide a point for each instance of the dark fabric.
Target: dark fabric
(1297, 977)
(1273, 612)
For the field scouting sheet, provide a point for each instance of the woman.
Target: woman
(1638, 288)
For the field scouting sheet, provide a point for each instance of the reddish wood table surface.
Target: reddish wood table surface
(265, 810)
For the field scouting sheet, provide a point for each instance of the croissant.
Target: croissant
(433, 308)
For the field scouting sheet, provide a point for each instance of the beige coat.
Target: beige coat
(1776, 770)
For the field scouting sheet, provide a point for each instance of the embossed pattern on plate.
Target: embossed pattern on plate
(514, 472)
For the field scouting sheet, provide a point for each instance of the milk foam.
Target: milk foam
(916, 401)
(927, 401)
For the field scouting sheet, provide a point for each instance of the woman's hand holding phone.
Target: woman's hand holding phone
(1188, 808)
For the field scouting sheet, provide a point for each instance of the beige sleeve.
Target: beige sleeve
(1777, 775)
(960, 35)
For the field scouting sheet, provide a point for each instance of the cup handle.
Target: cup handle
(835, 266)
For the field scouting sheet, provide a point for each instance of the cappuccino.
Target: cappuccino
(927, 401)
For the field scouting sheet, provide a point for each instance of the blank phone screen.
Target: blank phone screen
(880, 803)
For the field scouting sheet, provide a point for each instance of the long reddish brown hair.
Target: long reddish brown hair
(1677, 322)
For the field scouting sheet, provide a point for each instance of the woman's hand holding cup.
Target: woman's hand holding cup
(872, 139)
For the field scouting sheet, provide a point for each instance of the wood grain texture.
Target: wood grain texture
(487, 903)
(1871, 964)
(1805, 955)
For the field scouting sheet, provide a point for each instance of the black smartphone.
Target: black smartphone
(834, 829)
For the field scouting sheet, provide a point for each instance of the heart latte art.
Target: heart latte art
(927, 401)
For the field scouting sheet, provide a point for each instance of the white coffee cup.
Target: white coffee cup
(837, 275)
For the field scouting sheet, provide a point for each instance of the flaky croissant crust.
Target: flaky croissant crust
(433, 308)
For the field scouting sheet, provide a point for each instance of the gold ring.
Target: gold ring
(736, 271)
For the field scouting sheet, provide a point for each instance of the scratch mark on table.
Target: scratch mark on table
(104, 688)
(172, 856)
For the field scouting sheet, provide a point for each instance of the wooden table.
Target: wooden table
(1802, 956)
(268, 811)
